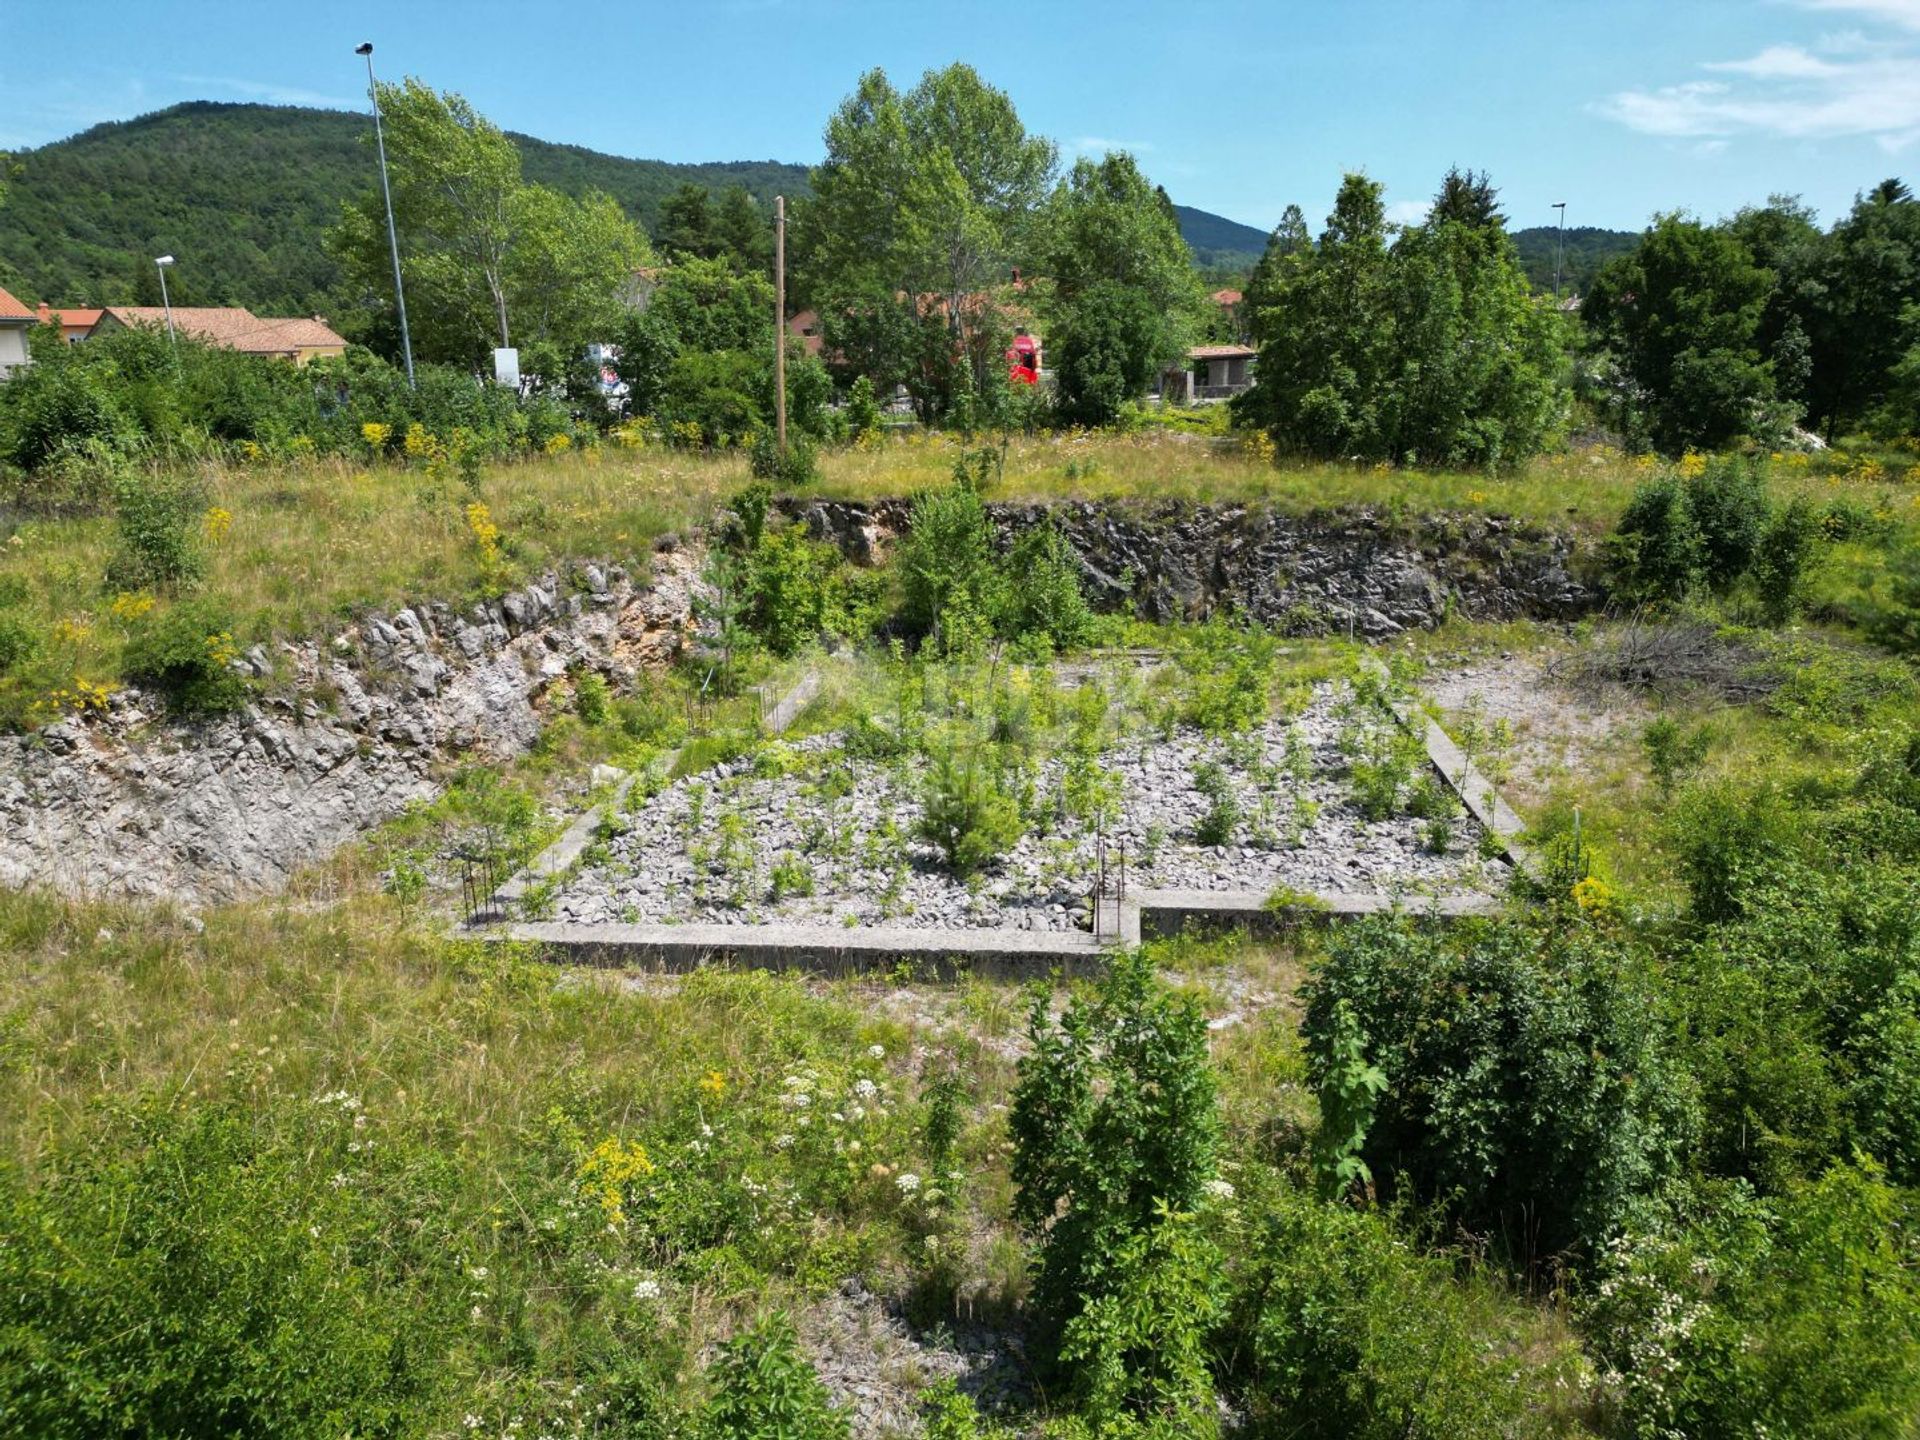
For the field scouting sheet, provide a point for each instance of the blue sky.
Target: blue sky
(1619, 107)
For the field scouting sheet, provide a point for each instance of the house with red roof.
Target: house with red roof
(74, 324)
(299, 339)
(16, 323)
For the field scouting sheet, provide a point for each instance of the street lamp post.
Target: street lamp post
(1560, 231)
(365, 48)
(160, 263)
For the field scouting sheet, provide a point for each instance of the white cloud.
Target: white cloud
(267, 90)
(1408, 212)
(1788, 93)
(1779, 62)
(1904, 13)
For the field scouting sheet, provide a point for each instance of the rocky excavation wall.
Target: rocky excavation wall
(130, 803)
(1303, 574)
(352, 729)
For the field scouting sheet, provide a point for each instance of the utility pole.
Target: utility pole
(365, 47)
(780, 322)
(1559, 233)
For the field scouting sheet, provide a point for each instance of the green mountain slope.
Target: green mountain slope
(1587, 249)
(242, 193)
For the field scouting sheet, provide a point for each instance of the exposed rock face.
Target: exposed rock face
(133, 803)
(1304, 574)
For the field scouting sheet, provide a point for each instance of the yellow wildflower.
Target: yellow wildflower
(558, 444)
(713, 1084)
(217, 522)
(376, 435)
(605, 1173)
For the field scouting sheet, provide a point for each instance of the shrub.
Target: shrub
(189, 1276)
(1222, 816)
(1656, 548)
(791, 589)
(1226, 674)
(1672, 752)
(1780, 560)
(1044, 592)
(1531, 1092)
(863, 412)
(1114, 1129)
(766, 1390)
(799, 466)
(1338, 1330)
(966, 812)
(186, 652)
(1727, 501)
(159, 519)
(18, 643)
(1796, 1317)
(951, 589)
(592, 700)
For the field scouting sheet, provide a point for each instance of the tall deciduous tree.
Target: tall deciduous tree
(1681, 316)
(930, 193)
(1126, 299)
(488, 259)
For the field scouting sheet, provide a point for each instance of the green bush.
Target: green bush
(766, 1390)
(792, 590)
(1781, 558)
(863, 411)
(18, 643)
(1338, 1330)
(966, 812)
(1532, 1091)
(1226, 672)
(799, 466)
(1796, 1317)
(1727, 500)
(951, 590)
(1221, 819)
(1656, 548)
(1115, 1130)
(159, 525)
(1044, 594)
(190, 1276)
(186, 652)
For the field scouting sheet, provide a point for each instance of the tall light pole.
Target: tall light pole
(160, 263)
(365, 47)
(1559, 233)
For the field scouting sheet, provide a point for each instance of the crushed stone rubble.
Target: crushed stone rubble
(712, 848)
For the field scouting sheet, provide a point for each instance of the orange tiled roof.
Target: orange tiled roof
(87, 318)
(1221, 352)
(12, 309)
(1226, 297)
(234, 327)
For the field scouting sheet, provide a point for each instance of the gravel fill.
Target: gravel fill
(704, 849)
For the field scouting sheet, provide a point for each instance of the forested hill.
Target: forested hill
(1587, 249)
(242, 194)
(1219, 242)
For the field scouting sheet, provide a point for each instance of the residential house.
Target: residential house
(299, 338)
(16, 322)
(74, 324)
(1212, 372)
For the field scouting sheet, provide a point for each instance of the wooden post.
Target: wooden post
(780, 322)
